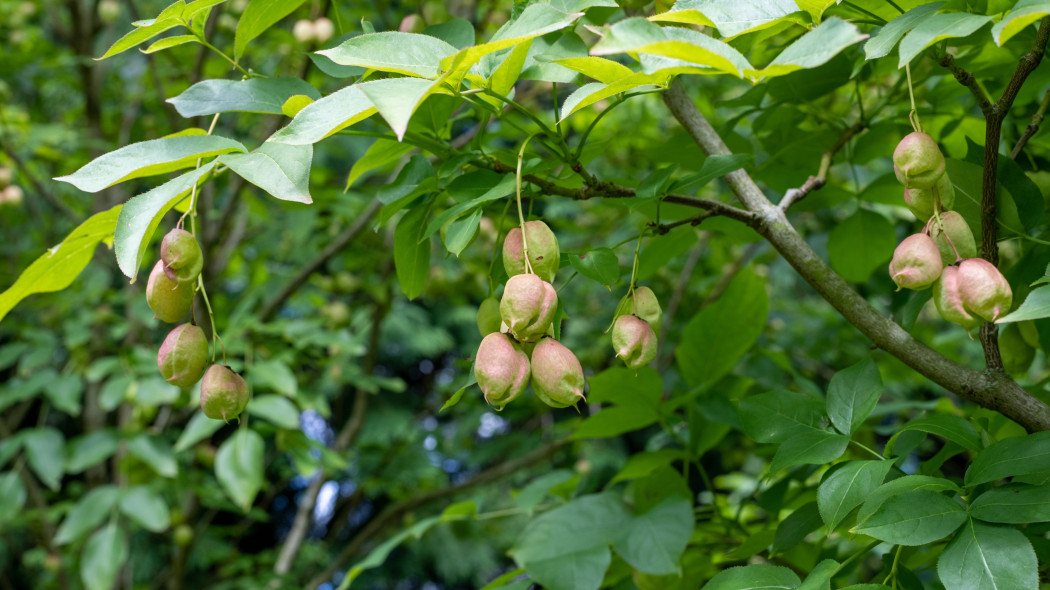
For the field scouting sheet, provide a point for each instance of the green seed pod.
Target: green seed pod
(501, 368)
(224, 394)
(170, 300)
(918, 161)
(646, 306)
(958, 232)
(920, 200)
(489, 319)
(528, 306)
(634, 341)
(948, 300)
(916, 263)
(183, 355)
(181, 255)
(984, 290)
(557, 376)
(544, 254)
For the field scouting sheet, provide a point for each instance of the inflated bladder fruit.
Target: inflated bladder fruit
(953, 231)
(224, 394)
(645, 305)
(557, 376)
(489, 319)
(183, 355)
(918, 161)
(949, 301)
(920, 200)
(634, 341)
(984, 290)
(544, 254)
(170, 300)
(916, 263)
(528, 306)
(181, 255)
(501, 368)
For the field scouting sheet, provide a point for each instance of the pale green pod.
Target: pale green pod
(501, 368)
(634, 341)
(181, 255)
(949, 302)
(955, 232)
(917, 161)
(916, 263)
(557, 376)
(224, 394)
(984, 290)
(528, 306)
(544, 253)
(170, 300)
(183, 355)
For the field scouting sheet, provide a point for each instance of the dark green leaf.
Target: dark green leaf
(776, 416)
(852, 395)
(811, 447)
(254, 95)
(914, 518)
(280, 169)
(46, 454)
(754, 577)
(883, 43)
(147, 508)
(155, 452)
(258, 16)
(88, 513)
(13, 491)
(953, 428)
(1035, 306)
(90, 449)
(848, 487)
(653, 542)
(860, 244)
(1024, 455)
(984, 556)
(103, 556)
(239, 467)
(793, 529)
(713, 167)
(898, 486)
(1013, 503)
(276, 409)
(600, 264)
(411, 256)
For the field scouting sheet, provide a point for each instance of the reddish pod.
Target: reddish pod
(916, 263)
(557, 376)
(501, 368)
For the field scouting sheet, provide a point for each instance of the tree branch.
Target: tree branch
(334, 247)
(1033, 127)
(968, 80)
(395, 512)
(993, 390)
(815, 183)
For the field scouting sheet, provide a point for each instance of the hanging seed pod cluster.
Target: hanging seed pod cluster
(967, 290)
(519, 347)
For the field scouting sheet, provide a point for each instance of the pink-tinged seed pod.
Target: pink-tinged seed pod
(646, 306)
(958, 232)
(528, 306)
(303, 31)
(557, 376)
(634, 341)
(224, 394)
(501, 368)
(181, 255)
(412, 23)
(984, 290)
(544, 253)
(920, 200)
(323, 29)
(916, 263)
(170, 300)
(918, 161)
(183, 355)
(948, 300)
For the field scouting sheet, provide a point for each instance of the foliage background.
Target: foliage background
(83, 408)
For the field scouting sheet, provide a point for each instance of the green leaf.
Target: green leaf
(812, 447)
(983, 556)
(882, 43)
(57, 268)
(65, 393)
(326, 116)
(90, 449)
(567, 547)
(852, 395)
(239, 467)
(713, 167)
(258, 16)
(397, 98)
(401, 53)
(898, 486)
(379, 154)
(149, 158)
(254, 95)
(1014, 504)
(274, 375)
(155, 452)
(642, 464)
(600, 264)
(13, 491)
(776, 416)
(953, 428)
(656, 184)
(531, 495)
(1023, 14)
(715, 339)
(914, 518)
(813, 49)
(147, 508)
(88, 513)
(1024, 455)
(280, 169)
(636, 395)
(380, 553)
(456, 397)
(754, 577)
(278, 410)
(638, 35)
(793, 530)
(46, 454)
(461, 231)
(416, 178)
(819, 577)
(200, 427)
(103, 556)
(169, 42)
(412, 256)
(860, 244)
(1035, 306)
(653, 542)
(141, 215)
(938, 27)
(601, 69)
(140, 35)
(589, 94)
(732, 18)
(848, 487)
(490, 185)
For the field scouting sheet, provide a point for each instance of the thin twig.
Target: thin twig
(814, 183)
(1030, 130)
(968, 80)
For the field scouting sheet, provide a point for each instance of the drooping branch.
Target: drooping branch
(993, 390)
